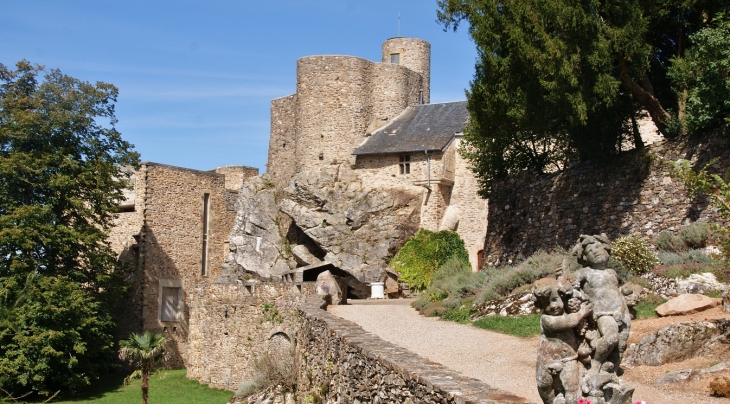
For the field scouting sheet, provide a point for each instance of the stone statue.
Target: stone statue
(558, 371)
(585, 325)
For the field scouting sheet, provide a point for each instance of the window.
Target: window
(405, 164)
(171, 300)
(395, 58)
(206, 220)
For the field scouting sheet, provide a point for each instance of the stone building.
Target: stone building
(173, 233)
(375, 119)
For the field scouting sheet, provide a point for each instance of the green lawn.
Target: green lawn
(167, 386)
(524, 326)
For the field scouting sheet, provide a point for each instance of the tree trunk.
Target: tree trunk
(638, 141)
(660, 116)
(145, 385)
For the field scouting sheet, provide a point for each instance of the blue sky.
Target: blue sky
(196, 78)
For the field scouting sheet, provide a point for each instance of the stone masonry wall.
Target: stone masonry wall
(231, 324)
(633, 195)
(472, 208)
(333, 109)
(386, 167)
(236, 175)
(338, 361)
(171, 246)
(281, 164)
(415, 54)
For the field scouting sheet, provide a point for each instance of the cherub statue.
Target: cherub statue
(559, 372)
(600, 285)
(611, 317)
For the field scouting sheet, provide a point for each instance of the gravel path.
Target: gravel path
(499, 360)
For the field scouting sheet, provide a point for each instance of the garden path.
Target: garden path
(499, 360)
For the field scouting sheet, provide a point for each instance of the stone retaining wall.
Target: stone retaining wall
(338, 361)
(231, 324)
(635, 194)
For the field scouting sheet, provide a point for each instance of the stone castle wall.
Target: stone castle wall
(236, 175)
(338, 361)
(338, 97)
(281, 163)
(172, 241)
(339, 100)
(415, 54)
(633, 195)
(232, 324)
(472, 208)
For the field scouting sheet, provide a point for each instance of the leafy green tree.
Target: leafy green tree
(702, 77)
(60, 180)
(557, 80)
(144, 351)
(424, 253)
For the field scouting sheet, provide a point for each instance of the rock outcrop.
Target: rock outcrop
(358, 225)
(520, 304)
(678, 342)
(256, 243)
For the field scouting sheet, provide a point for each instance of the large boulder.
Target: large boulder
(678, 342)
(359, 225)
(334, 287)
(686, 304)
(256, 245)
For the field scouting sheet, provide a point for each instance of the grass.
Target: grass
(167, 386)
(524, 326)
(647, 307)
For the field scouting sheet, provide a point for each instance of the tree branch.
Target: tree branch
(660, 116)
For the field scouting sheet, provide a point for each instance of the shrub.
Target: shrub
(452, 282)
(275, 369)
(501, 281)
(245, 389)
(720, 387)
(635, 254)
(667, 241)
(424, 253)
(686, 257)
(696, 234)
(684, 270)
(459, 314)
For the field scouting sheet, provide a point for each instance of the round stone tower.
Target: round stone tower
(414, 54)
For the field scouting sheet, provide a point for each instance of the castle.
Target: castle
(373, 119)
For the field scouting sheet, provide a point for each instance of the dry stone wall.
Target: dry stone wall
(635, 194)
(231, 324)
(338, 361)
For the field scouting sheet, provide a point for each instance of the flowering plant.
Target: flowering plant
(585, 401)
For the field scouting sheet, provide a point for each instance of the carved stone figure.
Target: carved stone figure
(585, 325)
(558, 371)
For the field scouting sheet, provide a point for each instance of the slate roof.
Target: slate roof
(427, 127)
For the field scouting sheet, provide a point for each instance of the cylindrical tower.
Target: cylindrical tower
(414, 54)
(334, 109)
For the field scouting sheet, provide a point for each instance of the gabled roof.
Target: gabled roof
(428, 127)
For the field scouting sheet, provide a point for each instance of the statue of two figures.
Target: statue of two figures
(585, 323)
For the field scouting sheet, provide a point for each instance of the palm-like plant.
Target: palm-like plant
(143, 351)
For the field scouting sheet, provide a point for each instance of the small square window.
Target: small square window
(171, 300)
(395, 58)
(405, 164)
